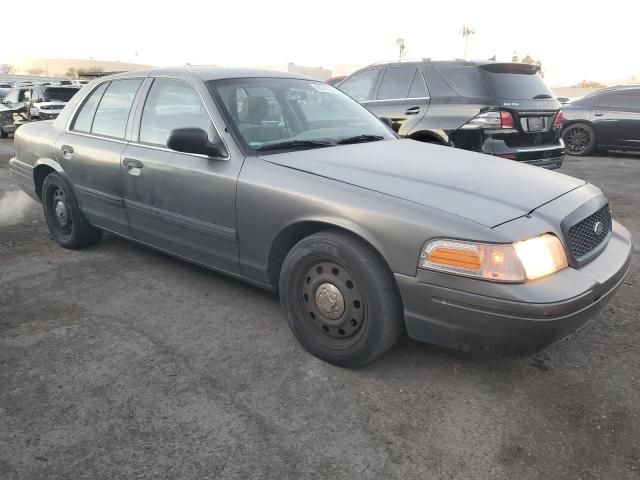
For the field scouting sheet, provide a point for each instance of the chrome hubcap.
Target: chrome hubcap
(61, 213)
(329, 301)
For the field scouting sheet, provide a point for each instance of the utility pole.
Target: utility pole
(401, 46)
(466, 32)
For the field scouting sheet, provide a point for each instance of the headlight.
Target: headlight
(517, 262)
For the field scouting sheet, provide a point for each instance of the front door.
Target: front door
(616, 119)
(181, 203)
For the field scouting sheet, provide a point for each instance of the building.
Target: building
(69, 67)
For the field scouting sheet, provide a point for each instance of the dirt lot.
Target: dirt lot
(119, 362)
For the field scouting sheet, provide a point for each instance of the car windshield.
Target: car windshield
(269, 114)
(59, 94)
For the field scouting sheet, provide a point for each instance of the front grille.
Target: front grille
(583, 237)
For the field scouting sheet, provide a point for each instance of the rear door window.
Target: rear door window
(360, 86)
(113, 110)
(418, 88)
(84, 119)
(395, 83)
(626, 101)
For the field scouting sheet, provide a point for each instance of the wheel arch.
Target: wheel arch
(44, 167)
(430, 136)
(289, 236)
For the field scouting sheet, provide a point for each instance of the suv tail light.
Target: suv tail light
(493, 119)
(557, 123)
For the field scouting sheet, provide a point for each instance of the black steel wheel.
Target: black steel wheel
(340, 299)
(334, 303)
(66, 222)
(579, 139)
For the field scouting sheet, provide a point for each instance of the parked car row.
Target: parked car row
(289, 184)
(30, 103)
(501, 109)
(606, 119)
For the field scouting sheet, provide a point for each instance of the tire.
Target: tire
(340, 299)
(66, 222)
(3, 134)
(579, 139)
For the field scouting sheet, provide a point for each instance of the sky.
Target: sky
(574, 40)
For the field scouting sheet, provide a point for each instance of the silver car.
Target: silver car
(289, 184)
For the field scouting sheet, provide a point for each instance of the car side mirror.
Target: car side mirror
(387, 121)
(195, 140)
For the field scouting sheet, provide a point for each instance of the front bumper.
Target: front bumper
(507, 323)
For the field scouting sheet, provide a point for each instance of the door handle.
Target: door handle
(67, 151)
(412, 111)
(598, 114)
(132, 163)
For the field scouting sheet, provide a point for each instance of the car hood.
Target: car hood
(485, 189)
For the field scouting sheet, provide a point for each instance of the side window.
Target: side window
(396, 82)
(114, 107)
(27, 96)
(172, 104)
(418, 88)
(12, 97)
(625, 101)
(360, 85)
(84, 119)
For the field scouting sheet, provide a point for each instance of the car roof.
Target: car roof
(455, 61)
(207, 73)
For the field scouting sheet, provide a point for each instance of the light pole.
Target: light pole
(466, 32)
(401, 47)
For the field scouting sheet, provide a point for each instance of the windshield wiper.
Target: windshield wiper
(541, 96)
(360, 139)
(293, 144)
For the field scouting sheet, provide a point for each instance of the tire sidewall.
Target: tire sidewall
(51, 182)
(378, 290)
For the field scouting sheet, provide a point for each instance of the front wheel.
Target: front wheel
(579, 139)
(66, 222)
(340, 299)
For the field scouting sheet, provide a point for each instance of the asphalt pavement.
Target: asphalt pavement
(120, 362)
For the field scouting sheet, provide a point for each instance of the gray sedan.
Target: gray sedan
(289, 184)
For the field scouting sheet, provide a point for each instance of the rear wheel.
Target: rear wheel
(66, 222)
(579, 139)
(340, 299)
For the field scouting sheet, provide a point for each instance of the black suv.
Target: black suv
(606, 119)
(503, 109)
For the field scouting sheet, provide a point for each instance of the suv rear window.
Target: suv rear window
(516, 81)
(59, 94)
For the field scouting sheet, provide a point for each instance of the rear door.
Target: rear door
(616, 119)
(401, 96)
(90, 151)
(179, 202)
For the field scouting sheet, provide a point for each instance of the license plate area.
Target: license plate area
(535, 124)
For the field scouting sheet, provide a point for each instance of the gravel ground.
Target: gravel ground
(120, 362)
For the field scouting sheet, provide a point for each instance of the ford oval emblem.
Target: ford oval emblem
(598, 228)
